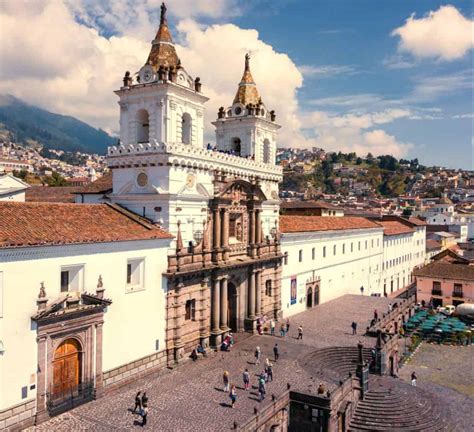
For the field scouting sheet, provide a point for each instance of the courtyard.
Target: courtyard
(190, 397)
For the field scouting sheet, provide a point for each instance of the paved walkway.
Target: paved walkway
(448, 372)
(190, 397)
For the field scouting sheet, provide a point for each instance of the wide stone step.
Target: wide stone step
(399, 407)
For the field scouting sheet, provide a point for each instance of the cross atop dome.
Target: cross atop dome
(247, 92)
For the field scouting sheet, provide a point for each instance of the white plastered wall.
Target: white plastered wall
(133, 322)
(340, 274)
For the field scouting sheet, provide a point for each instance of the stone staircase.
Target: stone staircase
(335, 363)
(391, 404)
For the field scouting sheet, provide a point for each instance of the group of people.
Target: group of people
(198, 350)
(141, 406)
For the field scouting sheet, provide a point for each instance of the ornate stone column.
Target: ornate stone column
(98, 358)
(225, 233)
(215, 314)
(204, 317)
(258, 293)
(179, 314)
(252, 226)
(217, 229)
(258, 225)
(251, 295)
(224, 305)
(42, 387)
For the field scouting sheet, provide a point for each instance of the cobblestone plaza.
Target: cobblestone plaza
(190, 397)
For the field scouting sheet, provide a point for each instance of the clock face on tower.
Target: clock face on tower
(146, 74)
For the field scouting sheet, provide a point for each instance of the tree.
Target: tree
(407, 211)
(55, 179)
(358, 161)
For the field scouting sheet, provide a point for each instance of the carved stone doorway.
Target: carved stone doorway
(309, 297)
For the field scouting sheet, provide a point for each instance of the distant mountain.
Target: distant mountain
(54, 131)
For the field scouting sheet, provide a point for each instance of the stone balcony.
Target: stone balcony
(190, 156)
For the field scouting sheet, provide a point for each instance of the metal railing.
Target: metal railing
(58, 402)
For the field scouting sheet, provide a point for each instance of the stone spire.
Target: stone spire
(163, 52)
(247, 92)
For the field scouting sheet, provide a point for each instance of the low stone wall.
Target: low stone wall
(132, 371)
(271, 416)
(18, 417)
(391, 322)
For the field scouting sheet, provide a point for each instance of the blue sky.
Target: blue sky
(357, 35)
(386, 76)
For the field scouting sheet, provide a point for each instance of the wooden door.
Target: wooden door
(66, 367)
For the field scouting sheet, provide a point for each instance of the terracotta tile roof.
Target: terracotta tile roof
(392, 227)
(432, 245)
(416, 221)
(446, 270)
(51, 194)
(292, 224)
(44, 224)
(100, 186)
(308, 205)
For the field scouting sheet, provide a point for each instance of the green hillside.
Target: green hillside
(54, 131)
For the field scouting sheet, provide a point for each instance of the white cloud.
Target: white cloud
(433, 87)
(355, 132)
(398, 62)
(355, 100)
(444, 34)
(326, 71)
(72, 68)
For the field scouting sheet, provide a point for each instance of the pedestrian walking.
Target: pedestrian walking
(376, 315)
(225, 379)
(390, 307)
(264, 375)
(272, 327)
(287, 325)
(258, 354)
(321, 388)
(300, 332)
(144, 414)
(354, 327)
(413, 379)
(138, 403)
(282, 330)
(261, 389)
(270, 372)
(233, 395)
(144, 400)
(276, 352)
(246, 379)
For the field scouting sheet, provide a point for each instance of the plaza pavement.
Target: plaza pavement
(190, 397)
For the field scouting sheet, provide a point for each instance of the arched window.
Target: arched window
(186, 122)
(143, 126)
(236, 146)
(266, 151)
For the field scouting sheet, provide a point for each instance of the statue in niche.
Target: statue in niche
(238, 231)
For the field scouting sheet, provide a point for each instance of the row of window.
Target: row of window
(72, 277)
(335, 250)
(457, 289)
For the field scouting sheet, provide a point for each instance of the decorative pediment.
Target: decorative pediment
(240, 191)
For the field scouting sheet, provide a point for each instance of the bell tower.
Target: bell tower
(247, 128)
(161, 102)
